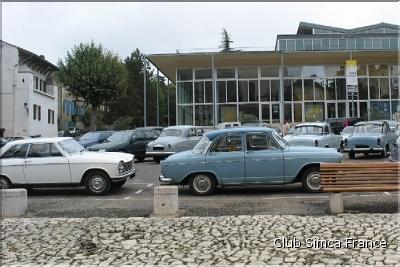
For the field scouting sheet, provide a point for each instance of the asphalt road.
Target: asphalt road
(135, 198)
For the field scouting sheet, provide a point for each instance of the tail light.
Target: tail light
(316, 142)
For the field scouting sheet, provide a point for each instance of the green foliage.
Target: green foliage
(93, 74)
(123, 123)
(247, 118)
(226, 41)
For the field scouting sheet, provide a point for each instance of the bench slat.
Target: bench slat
(362, 189)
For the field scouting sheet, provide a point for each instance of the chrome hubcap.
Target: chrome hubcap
(314, 181)
(97, 183)
(202, 183)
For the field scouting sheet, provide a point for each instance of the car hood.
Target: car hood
(106, 145)
(102, 157)
(165, 140)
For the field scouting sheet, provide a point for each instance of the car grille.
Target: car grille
(158, 148)
(362, 146)
(128, 166)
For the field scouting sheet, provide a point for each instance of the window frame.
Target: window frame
(267, 135)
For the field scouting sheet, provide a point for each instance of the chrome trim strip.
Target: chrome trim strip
(363, 149)
(159, 153)
(163, 179)
(124, 175)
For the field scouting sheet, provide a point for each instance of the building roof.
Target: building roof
(33, 60)
(305, 27)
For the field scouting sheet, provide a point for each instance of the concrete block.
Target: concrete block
(14, 202)
(166, 200)
(336, 203)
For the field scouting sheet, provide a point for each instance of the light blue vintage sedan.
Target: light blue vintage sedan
(370, 137)
(317, 134)
(245, 156)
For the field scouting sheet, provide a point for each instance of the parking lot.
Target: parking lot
(135, 198)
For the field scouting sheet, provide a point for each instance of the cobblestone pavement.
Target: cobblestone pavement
(202, 240)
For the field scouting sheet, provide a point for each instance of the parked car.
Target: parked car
(93, 138)
(74, 131)
(257, 124)
(395, 151)
(289, 134)
(157, 129)
(61, 161)
(131, 141)
(345, 133)
(174, 139)
(317, 134)
(370, 137)
(5, 140)
(228, 124)
(394, 126)
(338, 124)
(245, 156)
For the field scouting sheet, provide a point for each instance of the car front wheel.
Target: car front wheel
(202, 184)
(4, 183)
(97, 183)
(311, 180)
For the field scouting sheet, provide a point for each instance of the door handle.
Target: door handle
(28, 161)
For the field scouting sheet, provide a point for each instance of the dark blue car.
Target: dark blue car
(93, 138)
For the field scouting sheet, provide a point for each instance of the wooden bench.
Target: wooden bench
(358, 177)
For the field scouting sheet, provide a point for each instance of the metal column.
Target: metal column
(214, 92)
(168, 99)
(158, 105)
(144, 93)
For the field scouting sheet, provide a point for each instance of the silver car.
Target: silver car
(172, 140)
(317, 134)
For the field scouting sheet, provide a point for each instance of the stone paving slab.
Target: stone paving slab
(227, 240)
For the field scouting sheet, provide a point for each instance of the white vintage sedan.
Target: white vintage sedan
(62, 161)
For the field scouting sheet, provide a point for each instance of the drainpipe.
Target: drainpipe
(214, 92)
(282, 109)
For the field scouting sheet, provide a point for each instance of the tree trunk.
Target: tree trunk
(93, 118)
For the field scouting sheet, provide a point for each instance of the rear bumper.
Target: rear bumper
(159, 153)
(361, 150)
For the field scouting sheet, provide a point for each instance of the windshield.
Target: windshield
(71, 146)
(171, 132)
(90, 136)
(308, 130)
(202, 145)
(347, 130)
(282, 142)
(120, 137)
(368, 128)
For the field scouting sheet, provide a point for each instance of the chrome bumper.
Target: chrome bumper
(163, 179)
(129, 174)
(159, 153)
(375, 149)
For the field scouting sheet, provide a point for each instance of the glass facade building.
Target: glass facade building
(303, 80)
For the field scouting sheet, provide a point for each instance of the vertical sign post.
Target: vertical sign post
(351, 82)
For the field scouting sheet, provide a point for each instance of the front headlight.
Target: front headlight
(121, 167)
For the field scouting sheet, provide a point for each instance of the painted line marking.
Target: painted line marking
(296, 197)
(139, 191)
(387, 193)
(149, 185)
(127, 197)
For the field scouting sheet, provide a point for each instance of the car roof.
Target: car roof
(369, 122)
(238, 130)
(319, 124)
(181, 127)
(41, 140)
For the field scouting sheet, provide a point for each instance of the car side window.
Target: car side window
(151, 135)
(41, 150)
(256, 142)
(16, 151)
(229, 143)
(191, 132)
(199, 132)
(139, 135)
(54, 152)
(326, 129)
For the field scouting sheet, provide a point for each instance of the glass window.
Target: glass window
(247, 73)
(39, 150)
(298, 112)
(335, 70)
(199, 92)
(331, 109)
(204, 115)
(314, 111)
(221, 91)
(16, 151)
(362, 88)
(325, 44)
(243, 91)
(297, 90)
(351, 43)
(275, 90)
(270, 71)
(257, 142)
(227, 113)
(380, 110)
(208, 92)
(361, 70)
(342, 44)
(287, 112)
(393, 43)
(231, 91)
(396, 111)
(230, 143)
(203, 74)
(282, 45)
(360, 43)
(394, 70)
(313, 71)
(185, 74)
(377, 43)
(275, 113)
(299, 45)
(253, 91)
(226, 73)
(308, 89)
(341, 110)
(287, 87)
(248, 113)
(294, 71)
(54, 152)
(291, 45)
(384, 88)
(265, 113)
(317, 45)
(394, 87)
(368, 43)
(308, 44)
(341, 89)
(330, 89)
(265, 90)
(373, 88)
(334, 44)
(185, 92)
(319, 89)
(185, 115)
(385, 43)
(378, 70)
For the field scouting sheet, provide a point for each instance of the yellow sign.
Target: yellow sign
(351, 76)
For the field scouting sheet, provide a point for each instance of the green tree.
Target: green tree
(93, 74)
(225, 41)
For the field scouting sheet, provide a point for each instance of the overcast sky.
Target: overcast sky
(53, 28)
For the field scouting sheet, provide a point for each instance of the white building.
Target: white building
(28, 94)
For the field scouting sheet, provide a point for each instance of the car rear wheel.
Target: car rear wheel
(352, 155)
(119, 184)
(4, 183)
(311, 180)
(140, 159)
(97, 183)
(157, 159)
(202, 184)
